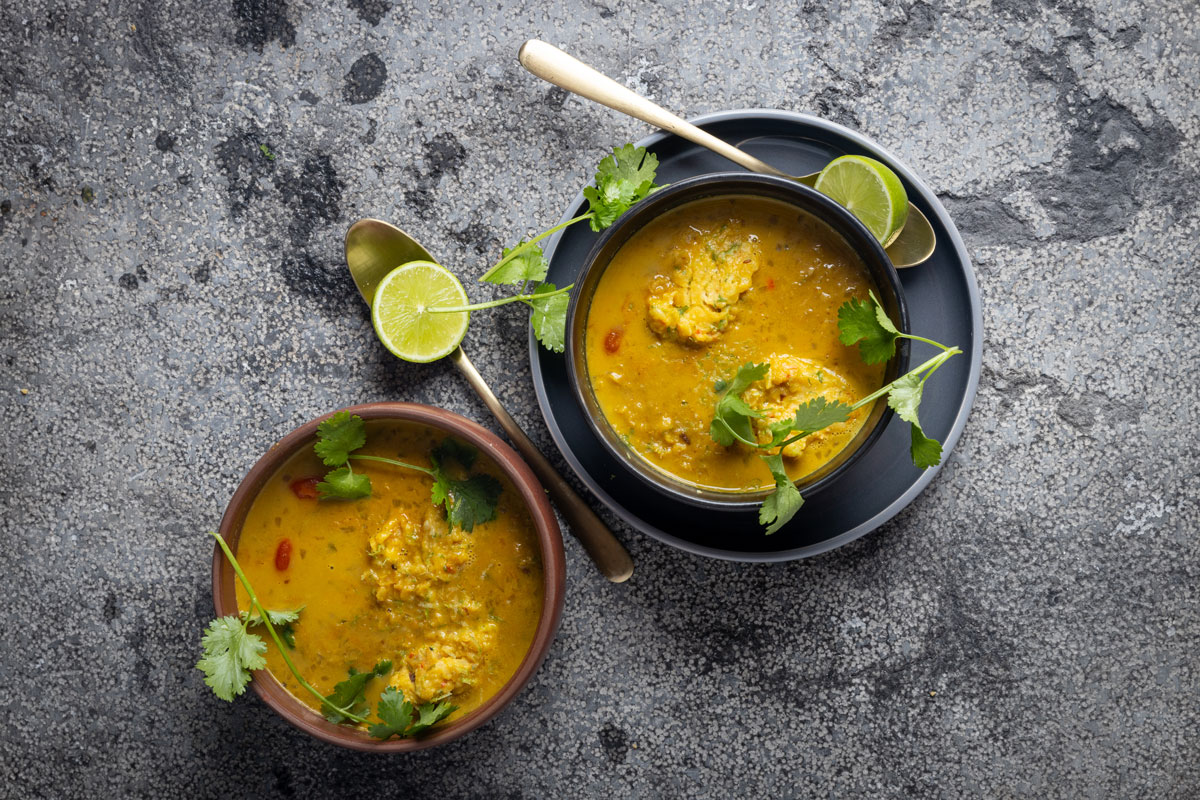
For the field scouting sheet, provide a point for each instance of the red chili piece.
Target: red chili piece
(612, 342)
(283, 554)
(770, 283)
(305, 488)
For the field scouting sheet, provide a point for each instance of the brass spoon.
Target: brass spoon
(910, 246)
(373, 249)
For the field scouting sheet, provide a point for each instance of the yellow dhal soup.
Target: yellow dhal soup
(387, 578)
(699, 292)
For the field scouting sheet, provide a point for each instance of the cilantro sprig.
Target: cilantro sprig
(622, 178)
(469, 499)
(859, 322)
(337, 438)
(231, 652)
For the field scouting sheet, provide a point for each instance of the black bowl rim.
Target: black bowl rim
(740, 183)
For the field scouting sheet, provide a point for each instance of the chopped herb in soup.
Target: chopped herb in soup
(699, 292)
(393, 588)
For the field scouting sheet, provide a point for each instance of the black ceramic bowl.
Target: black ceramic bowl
(725, 184)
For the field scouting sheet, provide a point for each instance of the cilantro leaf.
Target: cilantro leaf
(818, 414)
(863, 322)
(429, 714)
(781, 505)
(905, 399)
(747, 374)
(396, 713)
(868, 325)
(721, 432)
(882, 318)
(468, 502)
(338, 436)
(622, 179)
(284, 617)
(810, 417)
(281, 620)
(528, 265)
(401, 719)
(350, 693)
(926, 452)
(345, 484)
(229, 655)
(549, 317)
(731, 422)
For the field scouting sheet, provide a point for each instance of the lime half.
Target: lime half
(870, 191)
(401, 315)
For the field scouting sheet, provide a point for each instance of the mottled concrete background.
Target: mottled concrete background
(172, 300)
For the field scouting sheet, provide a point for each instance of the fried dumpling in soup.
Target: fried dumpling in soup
(710, 270)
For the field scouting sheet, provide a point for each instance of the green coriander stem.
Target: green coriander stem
(394, 463)
(262, 612)
(923, 339)
(931, 364)
(795, 438)
(521, 248)
(502, 301)
(932, 369)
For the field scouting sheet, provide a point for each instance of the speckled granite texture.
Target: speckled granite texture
(172, 300)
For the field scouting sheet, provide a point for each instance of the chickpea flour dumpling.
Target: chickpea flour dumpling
(710, 270)
(387, 577)
(702, 290)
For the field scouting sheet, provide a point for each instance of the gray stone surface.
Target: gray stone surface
(172, 300)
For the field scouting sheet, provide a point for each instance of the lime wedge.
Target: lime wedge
(870, 191)
(400, 311)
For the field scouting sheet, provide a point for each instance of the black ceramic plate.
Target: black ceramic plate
(943, 303)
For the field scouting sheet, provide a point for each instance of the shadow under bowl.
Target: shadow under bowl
(717, 185)
(550, 544)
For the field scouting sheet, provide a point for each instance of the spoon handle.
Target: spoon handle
(608, 554)
(554, 66)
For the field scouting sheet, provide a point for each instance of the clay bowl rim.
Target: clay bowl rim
(295, 712)
(709, 186)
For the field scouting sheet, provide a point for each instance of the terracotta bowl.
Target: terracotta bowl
(548, 535)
